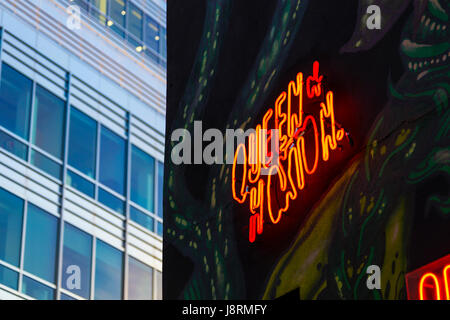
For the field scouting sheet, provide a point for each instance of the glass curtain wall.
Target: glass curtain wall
(32, 130)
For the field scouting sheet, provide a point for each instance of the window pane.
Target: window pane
(98, 10)
(37, 290)
(160, 188)
(117, 13)
(142, 219)
(134, 24)
(159, 293)
(160, 229)
(82, 142)
(45, 164)
(8, 277)
(15, 101)
(66, 297)
(11, 215)
(82, 4)
(142, 179)
(140, 280)
(77, 261)
(108, 272)
(81, 184)
(40, 244)
(13, 145)
(163, 41)
(48, 122)
(152, 36)
(110, 201)
(112, 161)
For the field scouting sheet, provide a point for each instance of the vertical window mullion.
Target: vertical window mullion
(160, 41)
(93, 257)
(97, 161)
(60, 238)
(155, 285)
(30, 125)
(155, 193)
(127, 213)
(144, 33)
(125, 20)
(22, 244)
(1, 49)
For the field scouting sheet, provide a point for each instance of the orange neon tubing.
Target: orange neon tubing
(257, 196)
(299, 159)
(289, 194)
(327, 111)
(254, 199)
(266, 132)
(280, 123)
(254, 150)
(293, 194)
(281, 98)
(422, 280)
(290, 148)
(269, 200)
(295, 120)
(303, 149)
(233, 175)
(446, 273)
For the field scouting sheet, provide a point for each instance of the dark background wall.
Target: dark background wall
(359, 80)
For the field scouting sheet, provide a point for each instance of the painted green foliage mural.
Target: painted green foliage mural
(371, 213)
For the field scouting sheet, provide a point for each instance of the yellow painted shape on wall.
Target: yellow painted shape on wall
(298, 266)
(402, 137)
(395, 243)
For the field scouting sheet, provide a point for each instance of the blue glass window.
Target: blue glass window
(140, 280)
(117, 12)
(13, 145)
(142, 219)
(81, 184)
(15, 101)
(37, 290)
(8, 277)
(83, 4)
(82, 142)
(77, 252)
(152, 37)
(134, 24)
(142, 179)
(66, 297)
(112, 160)
(40, 244)
(45, 164)
(110, 201)
(160, 229)
(11, 216)
(159, 285)
(160, 189)
(163, 41)
(108, 272)
(98, 10)
(48, 122)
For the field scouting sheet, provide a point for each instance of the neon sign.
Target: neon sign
(265, 172)
(430, 282)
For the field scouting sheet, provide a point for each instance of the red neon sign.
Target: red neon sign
(288, 164)
(431, 282)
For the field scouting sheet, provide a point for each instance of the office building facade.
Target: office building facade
(82, 123)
